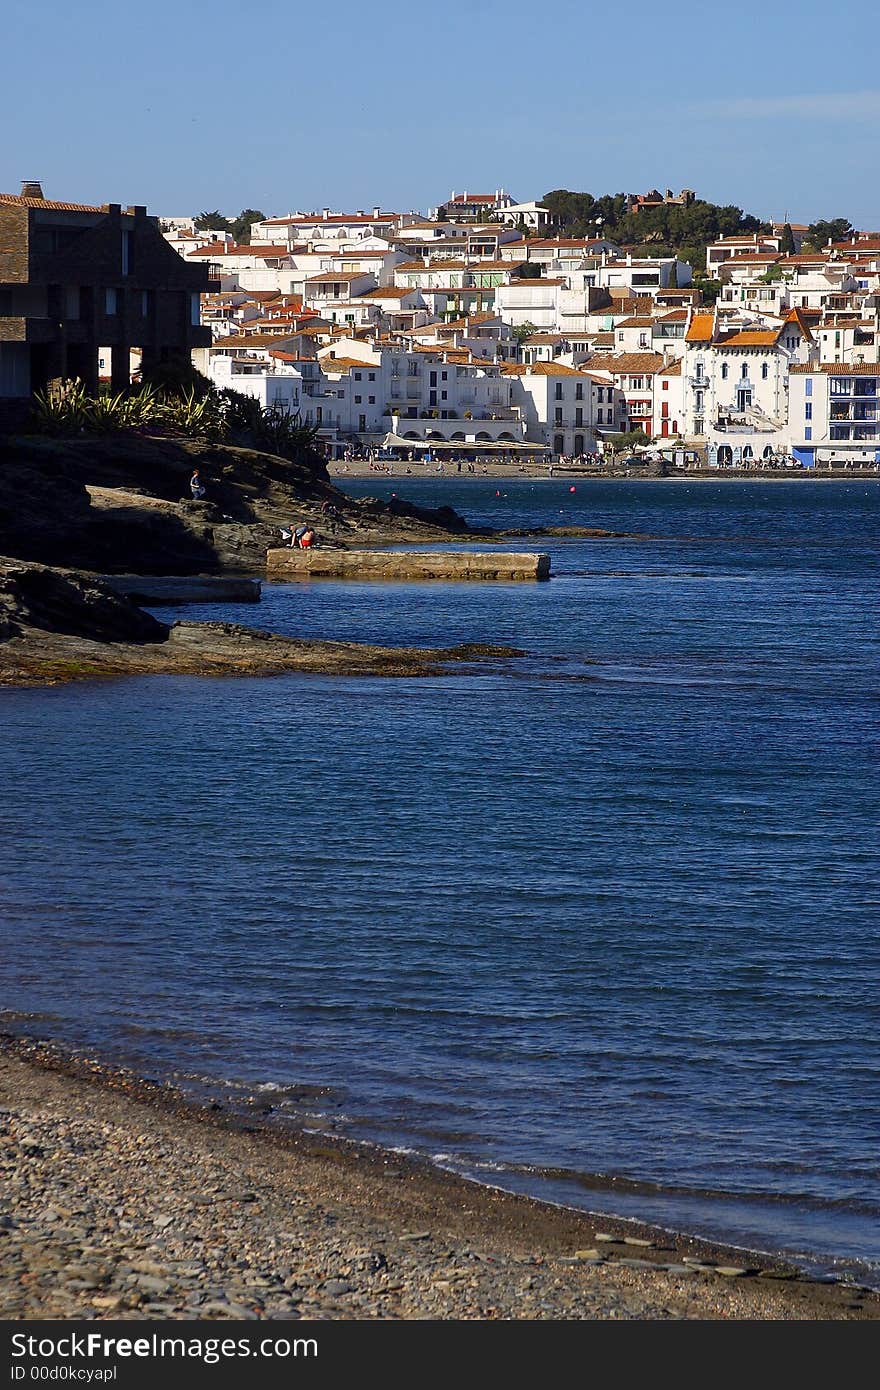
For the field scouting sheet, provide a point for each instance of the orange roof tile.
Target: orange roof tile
(701, 329)
(751, 338)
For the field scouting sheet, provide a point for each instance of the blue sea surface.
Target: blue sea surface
(599, 924)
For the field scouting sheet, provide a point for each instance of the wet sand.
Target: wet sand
(125, 1199)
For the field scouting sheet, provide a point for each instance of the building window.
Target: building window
(145, 303)
(127, 252)
(600, 394)
(357, 376)
(371, 400)
(724, 370)
(559, 390)
(358, 399)
(765, 371)
(745, 370)
(808, 410)
(443, 394)
(558, 418)
(372, 376)
(579, 391)
(110, 302)
(808, 432)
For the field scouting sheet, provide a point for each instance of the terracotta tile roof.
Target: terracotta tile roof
(250, 340)
(638, 322)
(630, 363)
(550, 369)
(868, 243)
(673, 369)
(220, 248)
(701, 329)
(21, 202)
(567, 243)
(329, 277)
(341, 365)
(387, 292)
(796, 316)
(469, 321)
(317, 220)
(523, 280)
(837, 368)
(751, 338)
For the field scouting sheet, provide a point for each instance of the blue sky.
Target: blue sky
(285, 105)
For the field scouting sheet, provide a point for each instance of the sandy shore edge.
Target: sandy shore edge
(124, 1198)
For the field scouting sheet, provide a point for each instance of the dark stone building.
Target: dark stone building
(75, 280)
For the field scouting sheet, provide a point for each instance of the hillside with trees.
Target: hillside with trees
(685, 231)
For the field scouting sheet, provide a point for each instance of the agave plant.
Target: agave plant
(200, 417)
(62, 409)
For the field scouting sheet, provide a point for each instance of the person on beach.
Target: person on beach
(307, 538)
(196, 486)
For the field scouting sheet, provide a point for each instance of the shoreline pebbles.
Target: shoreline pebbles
(122, 1198)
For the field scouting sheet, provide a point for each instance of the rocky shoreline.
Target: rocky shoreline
(80, 518)
(125, 1199)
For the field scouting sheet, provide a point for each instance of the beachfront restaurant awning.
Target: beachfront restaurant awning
(396, 441)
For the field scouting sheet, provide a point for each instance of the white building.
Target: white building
(834, 413)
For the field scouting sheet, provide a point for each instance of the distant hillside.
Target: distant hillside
(687, 231)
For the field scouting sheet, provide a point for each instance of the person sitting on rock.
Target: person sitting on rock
(307, 539)
(196, 486)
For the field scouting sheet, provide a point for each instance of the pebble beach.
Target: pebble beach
(125, 1199)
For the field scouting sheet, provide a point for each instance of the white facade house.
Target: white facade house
(558, 406)
(531, 215)
(736, 381)
(537, 302)
(834, 413)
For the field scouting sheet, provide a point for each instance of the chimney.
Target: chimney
(32, 188)
(376, 211)
(325, 213)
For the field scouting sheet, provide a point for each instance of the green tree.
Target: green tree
(212, 222)
(820, 233)
(709, 289)
(523, 331)
(786, 244)
(241, 225)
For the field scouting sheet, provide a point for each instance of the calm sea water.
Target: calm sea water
(600, 924)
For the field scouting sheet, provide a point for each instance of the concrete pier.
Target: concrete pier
(451, 565)
(195, 588)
